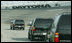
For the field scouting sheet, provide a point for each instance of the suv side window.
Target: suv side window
(64, 24)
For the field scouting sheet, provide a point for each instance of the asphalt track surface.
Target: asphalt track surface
(27, 15)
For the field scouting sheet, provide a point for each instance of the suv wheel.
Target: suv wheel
(31, 38)
(23, 28)
(13, 28)
(28, 36)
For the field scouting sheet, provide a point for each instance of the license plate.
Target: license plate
(44, 33)
(19, 26)
(37, 33)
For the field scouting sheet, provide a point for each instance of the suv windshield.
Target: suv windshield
(19, 22)
(64, 24)
(43, 23)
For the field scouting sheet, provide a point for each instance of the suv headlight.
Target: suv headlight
(44, 33)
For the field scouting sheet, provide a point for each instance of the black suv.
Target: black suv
(17, 24)
(62, 28)
(39, 28)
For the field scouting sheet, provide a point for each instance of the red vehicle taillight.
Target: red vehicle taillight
(33, 28)
(56, 37)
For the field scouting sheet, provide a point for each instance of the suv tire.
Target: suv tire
(28, 36)
(23, 28)
(31, 37)
(13, 28)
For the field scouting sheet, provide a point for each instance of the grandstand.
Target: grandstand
(32, 4)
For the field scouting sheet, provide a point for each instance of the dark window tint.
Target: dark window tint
(43, 23)
(19, 22)
(64, 24)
